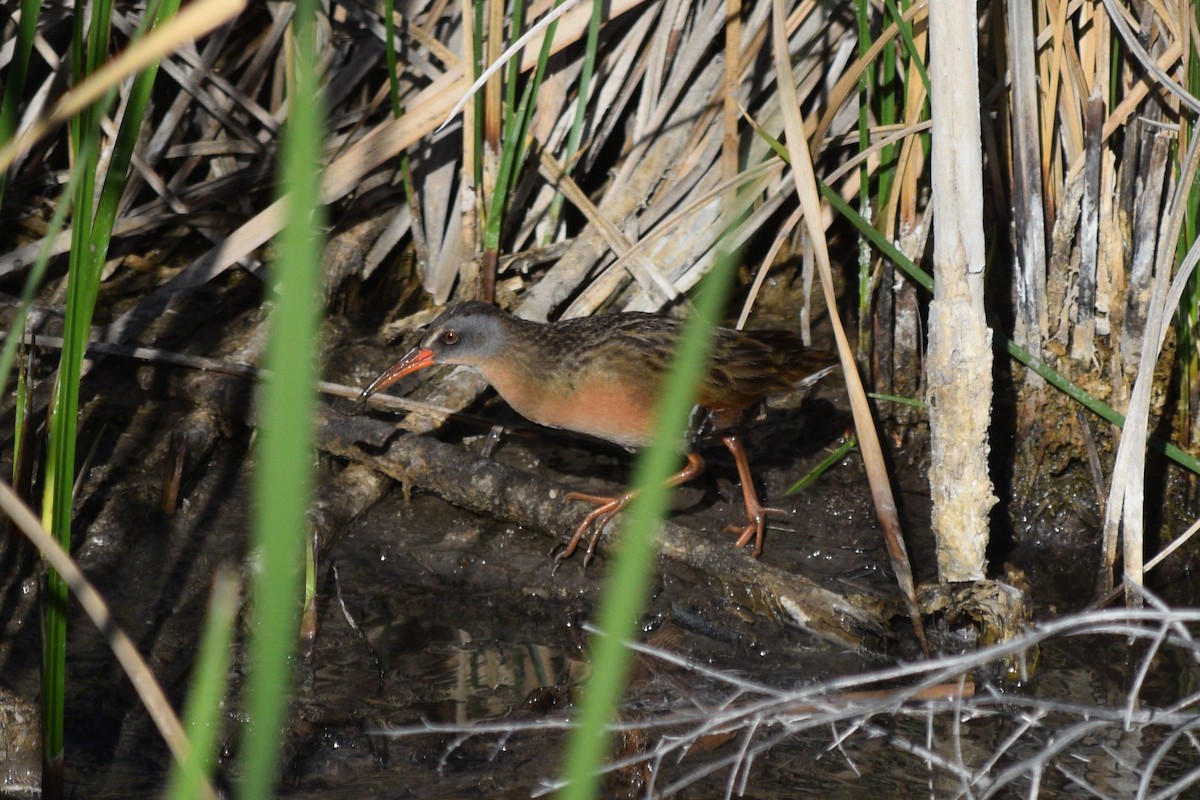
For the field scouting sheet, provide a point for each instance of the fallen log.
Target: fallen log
(483, 486)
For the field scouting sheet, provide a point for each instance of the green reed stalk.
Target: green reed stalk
(629, 576)
(389, 27)
(515, 143)
(14, 79)
(514, 120)
(207, 690)
(82, 287)
(516, 21)
(886, 97)
(91, 233)
(1187, 316)
(892, 93)
(906, 37)
(585, 82)
(891, 105)
(475, 68)
(284, 479)
(53, 603)
(866, 83)
(830, 461)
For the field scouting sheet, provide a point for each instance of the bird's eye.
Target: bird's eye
(450, 337)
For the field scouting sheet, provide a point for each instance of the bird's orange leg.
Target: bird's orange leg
(609, 507)
(756, 512)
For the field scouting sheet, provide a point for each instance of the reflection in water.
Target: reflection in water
(1063, 733)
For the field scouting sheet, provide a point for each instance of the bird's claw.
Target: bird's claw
(607, 508)
(756, 524)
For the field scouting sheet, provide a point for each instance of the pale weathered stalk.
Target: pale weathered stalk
(1029, 221)
(959, 365)
(1083, 346)
(1125, 512)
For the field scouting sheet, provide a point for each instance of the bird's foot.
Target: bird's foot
(607, 508)
(756, 523)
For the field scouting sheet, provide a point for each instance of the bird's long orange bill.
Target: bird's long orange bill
(417, 358)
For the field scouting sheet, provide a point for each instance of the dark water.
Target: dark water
(445, 658)
(471, 646)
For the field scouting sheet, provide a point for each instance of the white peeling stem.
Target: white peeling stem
(959, 361)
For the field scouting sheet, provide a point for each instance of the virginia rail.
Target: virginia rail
(600, 376)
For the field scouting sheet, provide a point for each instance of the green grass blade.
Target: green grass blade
(847, 444)
(53, 618)
(516, 133)
(284, 480)
(105, 215)
(585, 81)
(82, 287)
(389, 27)
(627, 583)
(894, 398)
(539, 73)
(204, 710)
(865, 84)
(14, 79)
(910, 46)
(516, 22)
(476, 69)
(891, 99)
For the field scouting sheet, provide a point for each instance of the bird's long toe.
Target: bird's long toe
(755, 527)
(606, 509)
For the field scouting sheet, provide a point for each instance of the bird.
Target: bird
(601, 375)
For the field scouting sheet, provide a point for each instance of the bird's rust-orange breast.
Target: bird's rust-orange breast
(595, 403)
